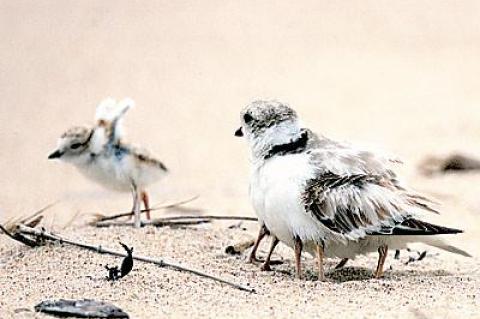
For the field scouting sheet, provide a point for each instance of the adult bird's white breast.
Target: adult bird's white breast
(275, 190)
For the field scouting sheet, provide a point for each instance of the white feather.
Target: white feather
(109, 126)
(109, 110)
(104, 109)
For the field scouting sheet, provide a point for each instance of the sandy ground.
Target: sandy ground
(401, 77)
(437, 287)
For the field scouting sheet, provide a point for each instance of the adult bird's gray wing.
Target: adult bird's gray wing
(353, 206)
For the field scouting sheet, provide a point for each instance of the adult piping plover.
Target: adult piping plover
(100, 155)
(325, 197)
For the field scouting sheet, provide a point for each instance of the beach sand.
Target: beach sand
(399, 77)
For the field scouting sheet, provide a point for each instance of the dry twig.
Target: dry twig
(156, 223)
(175, 221)
(102, 218)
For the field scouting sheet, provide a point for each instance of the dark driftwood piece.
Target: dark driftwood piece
(240, 248)
(85, 308)
(43, 235)
(452, 163)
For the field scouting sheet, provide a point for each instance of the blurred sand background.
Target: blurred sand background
(402, 76)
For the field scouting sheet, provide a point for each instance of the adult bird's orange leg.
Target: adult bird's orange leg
(382, 255)
(261, 234)
(298, 256)
(320, 255)
(342, 263)
(146, 204)
(266, 264)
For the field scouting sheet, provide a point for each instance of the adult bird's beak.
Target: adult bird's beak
(239, 132)
(56, 154)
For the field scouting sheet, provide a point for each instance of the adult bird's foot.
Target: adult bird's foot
(266, 267)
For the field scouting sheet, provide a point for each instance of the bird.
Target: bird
(100, 154)
(325, 197)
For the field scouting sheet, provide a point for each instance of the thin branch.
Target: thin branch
(12, 222)
(43, 234)
(102, 218)
(182, 202)
(155, 223)
(41, 210)
(174, 220)
(214, 217)
(35, 221)
(70, 222)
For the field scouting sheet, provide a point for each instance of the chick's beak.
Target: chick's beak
(56, 154)
(239, 132)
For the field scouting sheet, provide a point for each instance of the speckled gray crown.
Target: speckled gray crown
(77, 132)
(262, 114)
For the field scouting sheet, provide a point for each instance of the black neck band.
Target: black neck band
(293, 147)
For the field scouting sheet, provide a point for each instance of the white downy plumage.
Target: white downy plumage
(101, 155)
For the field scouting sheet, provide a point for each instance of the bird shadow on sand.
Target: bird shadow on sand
(347, 274)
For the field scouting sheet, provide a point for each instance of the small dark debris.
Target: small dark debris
(231, 250)
(397, 254)
(421, 256)
(20, 310)
(85, 308)
(239, 248)
(238, 225)
(459, 162)
(113, 273)
(127, 264)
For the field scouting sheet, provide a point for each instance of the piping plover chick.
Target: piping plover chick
(325, 197)
(100, 155)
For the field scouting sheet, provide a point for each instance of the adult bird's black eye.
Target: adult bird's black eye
(75, 146)
(247, 118)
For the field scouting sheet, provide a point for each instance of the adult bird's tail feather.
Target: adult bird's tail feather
(414, 227)
(439, 243)
(418, 230)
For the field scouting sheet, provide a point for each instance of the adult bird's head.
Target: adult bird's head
(265, 123)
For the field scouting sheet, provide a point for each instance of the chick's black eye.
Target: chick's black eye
(247, 118)
(75, 146)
